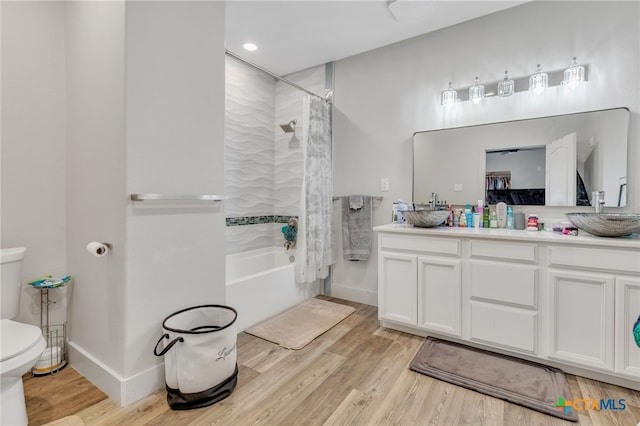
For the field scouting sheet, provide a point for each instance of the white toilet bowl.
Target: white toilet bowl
(20, 349)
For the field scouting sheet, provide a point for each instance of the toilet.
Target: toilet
(21, 345)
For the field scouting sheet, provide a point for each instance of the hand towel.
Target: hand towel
(356, 229)
(355, 202)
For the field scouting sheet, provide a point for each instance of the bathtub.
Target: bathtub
(261, 283)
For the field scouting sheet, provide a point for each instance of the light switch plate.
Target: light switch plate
(457, 187)
(384, 184)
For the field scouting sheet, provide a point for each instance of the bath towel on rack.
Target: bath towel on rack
(356, 229)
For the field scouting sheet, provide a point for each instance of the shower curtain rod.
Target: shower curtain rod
(284, 80)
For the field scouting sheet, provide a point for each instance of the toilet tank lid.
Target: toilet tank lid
(17, 338)
(12, 254)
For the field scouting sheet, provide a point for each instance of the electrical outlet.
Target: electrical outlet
(457, 187)
(384, 184)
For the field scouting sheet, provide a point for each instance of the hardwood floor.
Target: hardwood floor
(354, 374)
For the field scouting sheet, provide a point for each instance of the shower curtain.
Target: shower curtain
(314, 254)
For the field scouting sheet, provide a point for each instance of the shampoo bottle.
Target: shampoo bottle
(510, 221)
(468, 216)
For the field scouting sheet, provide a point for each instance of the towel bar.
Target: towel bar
(177, 197)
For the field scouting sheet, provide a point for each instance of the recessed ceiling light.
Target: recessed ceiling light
(250, 47)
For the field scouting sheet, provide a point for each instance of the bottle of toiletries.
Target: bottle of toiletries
(493, 221)
(510, 218)
(450, 218)
(532, 222)
(468, 216)
(480, 211)
(519, 220)
(456, 218)
(485, 216)
(400, 219)
(463, 220)
(501, 212)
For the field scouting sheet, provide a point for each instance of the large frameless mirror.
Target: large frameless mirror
(553, 161)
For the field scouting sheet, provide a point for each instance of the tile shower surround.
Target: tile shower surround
(263, 165)
(254, 220)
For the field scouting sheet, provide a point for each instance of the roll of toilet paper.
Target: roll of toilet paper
(97, 249)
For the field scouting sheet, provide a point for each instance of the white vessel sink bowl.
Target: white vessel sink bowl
(425, 218)
(606, 224)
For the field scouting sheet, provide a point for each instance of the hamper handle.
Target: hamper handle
(169, 346)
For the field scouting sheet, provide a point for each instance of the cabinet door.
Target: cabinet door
(439, 295)
(627, 313)
(581, 326)
(397, 288)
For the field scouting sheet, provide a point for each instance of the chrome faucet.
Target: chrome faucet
(597, 201)
(433, 202)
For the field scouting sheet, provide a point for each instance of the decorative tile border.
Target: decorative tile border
(256, 220)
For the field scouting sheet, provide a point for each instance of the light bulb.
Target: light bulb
(538, 81)
(574, 75)
(476, 92)
(506, 86)
(449, 96)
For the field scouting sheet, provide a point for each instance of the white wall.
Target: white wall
(33, 146)
(100, 100)
(383, 96)
(175, 145)
(96, 173)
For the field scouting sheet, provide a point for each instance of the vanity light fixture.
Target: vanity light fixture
(250, 47)
(449, 96)
(574, 75)
(506, 86)
(538, 81)
(476, 92)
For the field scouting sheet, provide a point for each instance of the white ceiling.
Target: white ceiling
(298, 34)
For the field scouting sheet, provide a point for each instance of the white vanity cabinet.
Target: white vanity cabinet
(439, 295)
(567, 301)
(398, 287)
(627, 295)
(589, 317)
(419, 282)
(503, 294)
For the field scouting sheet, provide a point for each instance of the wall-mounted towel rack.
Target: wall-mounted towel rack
(373, 198)
(177, 197)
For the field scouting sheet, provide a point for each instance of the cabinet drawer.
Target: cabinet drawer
(510, 328)
(594, 258)
(504, 250)
(447, 246)
(505, 282)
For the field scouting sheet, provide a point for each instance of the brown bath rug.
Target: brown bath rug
(295, 328)
(521, 382)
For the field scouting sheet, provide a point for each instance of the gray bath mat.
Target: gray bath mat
(521, 382)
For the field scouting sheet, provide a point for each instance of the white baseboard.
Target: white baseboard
(354, 294)
(124, 391)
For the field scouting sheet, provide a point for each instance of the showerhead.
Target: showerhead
(290, 127)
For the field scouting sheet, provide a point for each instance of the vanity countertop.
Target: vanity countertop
(583, 238)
